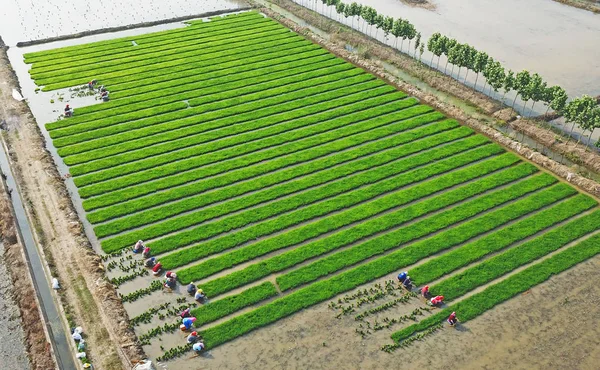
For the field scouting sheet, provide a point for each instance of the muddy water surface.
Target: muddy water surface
(559, 42)
(23, 20)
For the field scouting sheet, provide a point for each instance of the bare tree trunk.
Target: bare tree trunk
(438, 63)
(431, 62)
(515, 100)
(571, 133)
(446, 67)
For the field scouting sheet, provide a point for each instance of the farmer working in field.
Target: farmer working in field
(402, 276)
(198, 347)
(191, 289)
(146, 252)
(425, 291)
(185, 313)
(437, 301)
(187, 323)
(150, 262)
(407, 283)
(452, 320)
(193, 337)
(200, 296)
(138, 247)
(68, 111)
(156, 270)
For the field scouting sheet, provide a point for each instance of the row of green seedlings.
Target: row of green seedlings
(388, 323)
(125, 264)
(133, 296)
(389, 348)
(115, 254)
(323, 290)
(266, 181)
(141, 271)
(349, 216)
(191, 203)
(187, 133)
(162, 311)
(189, 220)
(196, 94)
(287, 260)
(275, 119)
(403, 299)
(166, 328)
(175, 352)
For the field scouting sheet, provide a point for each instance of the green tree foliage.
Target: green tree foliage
(521, 85)
(481, 60)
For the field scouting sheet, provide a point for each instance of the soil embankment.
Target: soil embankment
(87, 298)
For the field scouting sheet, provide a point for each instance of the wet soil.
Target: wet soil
(554, 325)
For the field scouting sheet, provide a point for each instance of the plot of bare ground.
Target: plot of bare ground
(554, 325)
(89, 301)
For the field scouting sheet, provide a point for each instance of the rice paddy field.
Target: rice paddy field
(278, 176)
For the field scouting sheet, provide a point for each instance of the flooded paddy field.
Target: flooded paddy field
(292, 187)
(25, 20)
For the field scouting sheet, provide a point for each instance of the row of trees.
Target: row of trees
(583, 112)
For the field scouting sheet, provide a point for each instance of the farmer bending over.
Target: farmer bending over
(452, 320)
(437, 300)
(191, 289)
(402, 276)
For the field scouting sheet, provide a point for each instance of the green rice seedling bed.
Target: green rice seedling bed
(384, 242)
(366, 142)
(311, 295)
(267, 39)
(283, 162)
(194, 37)
(114, 154)
(303, 56)
(244, 218)
(501, 239)
(497, 266)
(311, 114)
(349, 181)
(115, 44)
(309, 81)
(479, 303)
(356, 254)
(201, 84)
(254, 184)
(361, 212)
(257, 137)
(226, 306)
(177, 52)
(278, 113)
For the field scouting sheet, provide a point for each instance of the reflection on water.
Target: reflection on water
(23, 20)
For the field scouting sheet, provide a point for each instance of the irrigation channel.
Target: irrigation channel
(557, 41)
(41, 279)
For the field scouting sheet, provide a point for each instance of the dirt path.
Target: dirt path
(88, 300)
